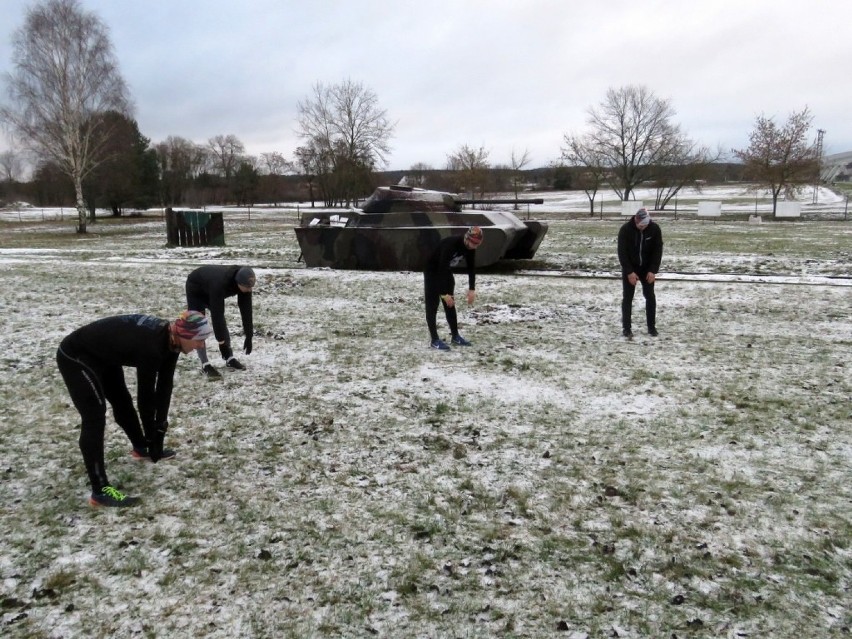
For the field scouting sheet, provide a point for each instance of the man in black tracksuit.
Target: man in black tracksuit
(207, 287)
(640, 251)
(439, 283)
(91, 361)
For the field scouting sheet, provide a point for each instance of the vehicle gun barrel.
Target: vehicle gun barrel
(537, 200)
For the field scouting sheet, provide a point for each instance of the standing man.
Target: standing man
(640, 251)
(439, 283)
(207, 287)
(91, 359)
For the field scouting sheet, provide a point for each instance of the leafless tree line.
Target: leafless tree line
(632, 140)
(69, 100)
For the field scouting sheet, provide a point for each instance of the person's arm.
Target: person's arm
(470, 261)
(244, 303)
(146, 396)
(445, 255)
(657, 255)
(165, 385)
(624, 251)
(156, 433)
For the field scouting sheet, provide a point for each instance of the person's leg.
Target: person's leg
(450, 311)
(202, 355)
(431, 295)
(197, 301)
(88, 398)
(227, 351)
(116, 393)
(650, 306)
(627, 291)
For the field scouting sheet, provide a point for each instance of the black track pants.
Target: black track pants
(628, 290)
(432, 286)
(90, 390)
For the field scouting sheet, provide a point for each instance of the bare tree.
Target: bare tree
(781, 158)
(308, 165)
(11, 166)
(581, 151)
(471, 166)
(631, 130)
(418, 173)
(276, 164)
(180, 161)
(65, 78)
(682, 164)
(227, 153)
(349, 135)
(517, 163)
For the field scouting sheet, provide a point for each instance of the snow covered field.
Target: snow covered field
(552, 480)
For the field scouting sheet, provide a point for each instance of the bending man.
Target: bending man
(207, 287)
(640, 251)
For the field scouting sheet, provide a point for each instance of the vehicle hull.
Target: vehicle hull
(403, 240)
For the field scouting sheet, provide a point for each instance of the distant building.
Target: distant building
(836, 168)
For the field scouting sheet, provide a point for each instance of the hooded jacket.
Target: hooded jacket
(640, 251)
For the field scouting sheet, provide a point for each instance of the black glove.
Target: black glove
(247, 344)
(155, 446)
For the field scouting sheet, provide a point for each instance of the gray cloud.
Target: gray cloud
(499, 74)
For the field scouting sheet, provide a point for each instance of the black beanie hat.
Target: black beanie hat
(245, 277)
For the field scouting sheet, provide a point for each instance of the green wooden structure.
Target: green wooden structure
(194, 228)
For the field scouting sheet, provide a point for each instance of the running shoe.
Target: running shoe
(234, 364)
(439, 344)
(110, 497)
(211, 373)
(141, 454)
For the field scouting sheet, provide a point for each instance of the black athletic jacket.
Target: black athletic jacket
(207, 287)
(640, 251)
(448, 255)
(138, 341)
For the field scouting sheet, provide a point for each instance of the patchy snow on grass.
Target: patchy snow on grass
(553, 479)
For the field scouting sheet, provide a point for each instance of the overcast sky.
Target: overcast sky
(503, 75)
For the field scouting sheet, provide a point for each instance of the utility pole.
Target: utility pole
(820, 134)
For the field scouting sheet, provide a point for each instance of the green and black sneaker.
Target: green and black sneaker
(112, 498)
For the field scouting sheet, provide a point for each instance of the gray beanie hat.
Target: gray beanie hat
(643, 218)
(245, 277)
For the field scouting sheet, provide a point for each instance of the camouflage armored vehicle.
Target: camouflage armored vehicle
(398, 227)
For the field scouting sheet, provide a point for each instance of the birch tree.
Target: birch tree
(65, 78)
